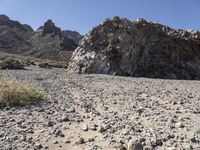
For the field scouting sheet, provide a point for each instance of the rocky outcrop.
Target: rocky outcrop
(50, 28)
(28, 27)
(48, 41)
(138, 48)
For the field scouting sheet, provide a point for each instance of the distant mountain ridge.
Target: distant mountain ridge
(49, 41)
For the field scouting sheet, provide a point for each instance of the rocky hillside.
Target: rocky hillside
(48, 41)
(13, 36)
(138, 48)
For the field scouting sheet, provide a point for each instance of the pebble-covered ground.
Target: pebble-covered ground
(99, 112)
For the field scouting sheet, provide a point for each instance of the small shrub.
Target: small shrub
(11, 64)
(39, 78)
(44, 65)
(13, 93)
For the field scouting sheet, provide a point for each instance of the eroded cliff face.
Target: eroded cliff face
(138, 48)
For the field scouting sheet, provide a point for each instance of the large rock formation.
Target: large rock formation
(48, 41)
(138, 48)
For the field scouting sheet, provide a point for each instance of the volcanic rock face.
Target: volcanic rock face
(138, 48)
(48, 41)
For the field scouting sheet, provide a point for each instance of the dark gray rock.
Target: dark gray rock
(64, 118)
(55, 142)
(68, 43)
(75, 36)
(134, 145)
(28, 27)
(80, 141)
(38, 146)
(50, 124)
(49, 27)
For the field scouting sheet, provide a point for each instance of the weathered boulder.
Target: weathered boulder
(138, 48)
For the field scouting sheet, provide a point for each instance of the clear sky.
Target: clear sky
(82, 15)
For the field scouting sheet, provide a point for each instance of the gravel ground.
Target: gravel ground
(94, 112)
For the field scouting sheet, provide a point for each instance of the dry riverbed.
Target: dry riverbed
(93, 112)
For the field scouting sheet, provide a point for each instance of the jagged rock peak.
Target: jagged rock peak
(49, 27)
(138, 48)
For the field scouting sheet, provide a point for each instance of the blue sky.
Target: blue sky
(82, 15)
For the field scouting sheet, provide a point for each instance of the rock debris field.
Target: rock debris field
(101, 112)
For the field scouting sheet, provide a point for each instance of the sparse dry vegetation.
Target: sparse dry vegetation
(13, 92)
(27, 61)
(11, 64)
(39, 78)
(44, 65)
